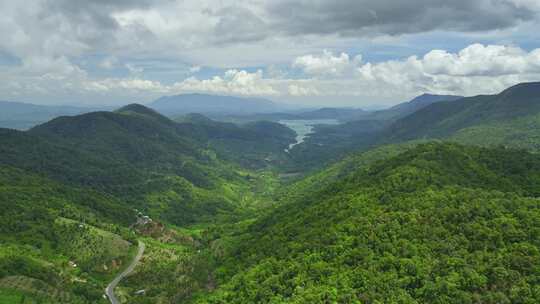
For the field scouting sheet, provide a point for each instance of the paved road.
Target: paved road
(109, 291)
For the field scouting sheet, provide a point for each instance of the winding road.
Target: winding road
(109, 291)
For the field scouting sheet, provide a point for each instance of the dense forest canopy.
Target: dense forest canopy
(414, 204)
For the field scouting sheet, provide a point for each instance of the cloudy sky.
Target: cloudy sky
(316, 52)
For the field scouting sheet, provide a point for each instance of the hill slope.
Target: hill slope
(409, 107)
(135, 154)
(445, 118)
(255, 145)
(45, 256)
(360, 130)
(440, 223)
(69, 189)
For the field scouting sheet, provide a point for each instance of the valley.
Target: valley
(436, 204)
(304, 127)
(269, 152)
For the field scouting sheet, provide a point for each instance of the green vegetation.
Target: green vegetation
(136, 155)
(46, 255)
(443, 119)
(523, 133)
(70, 187)
(440, 223)
(228, 217)
(509, 118)
(255, 145)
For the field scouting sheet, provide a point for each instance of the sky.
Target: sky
(305, 52)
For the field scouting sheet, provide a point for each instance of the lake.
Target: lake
(305, 127)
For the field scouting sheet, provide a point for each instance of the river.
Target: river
(305, 127)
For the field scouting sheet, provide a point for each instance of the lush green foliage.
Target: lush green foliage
(135, 154)
(523, 133)
(445, 118)
(407, 223)
(52, 258)
(440, 223)
(253, 145)
(70, 187)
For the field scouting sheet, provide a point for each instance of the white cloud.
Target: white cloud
(133, 69)
(476, 69)
(133, 85)
(108, 63)
(299, 90)
(478, 60)
(326, 64)
(195, 69)
(237, 82)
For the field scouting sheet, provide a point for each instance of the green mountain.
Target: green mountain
(135, 154)
(413, 221)
(409, 107)
(359, 130)
(510, 118)
(439, 223)
(56, 240)
(254, 145)
(344, 114)
(446, 118)
(71, 187)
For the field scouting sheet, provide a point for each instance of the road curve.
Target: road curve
(109, 291)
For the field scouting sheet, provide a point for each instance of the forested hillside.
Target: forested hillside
(358, 130)
(509, 118)
(57, 240)
(440, 223)
(406, 217)
(446, 118)
(254, 145)
(71, 188)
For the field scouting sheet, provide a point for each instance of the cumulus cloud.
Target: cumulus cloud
(475, 69)
(195, 69)
(233, 82)
(326, 64)
(50, 39)
(299, 90)
(480, 60)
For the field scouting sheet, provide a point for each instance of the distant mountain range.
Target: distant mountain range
(442, 119)
(409, 107)
(18, 115)
(203, 103)
(510, 118)
(22, 116)
(406, 213)
(343, 114)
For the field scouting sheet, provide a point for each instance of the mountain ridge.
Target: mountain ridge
(206, 103)
(443, 118)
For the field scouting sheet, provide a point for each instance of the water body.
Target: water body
(305, 127)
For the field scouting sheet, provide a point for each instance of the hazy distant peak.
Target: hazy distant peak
(527, 89)
(428, 97)
(138, 109)
(204, 103)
